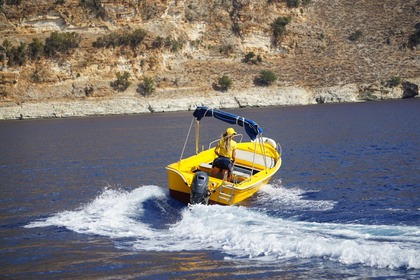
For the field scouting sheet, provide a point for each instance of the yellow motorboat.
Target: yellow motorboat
(256, 162)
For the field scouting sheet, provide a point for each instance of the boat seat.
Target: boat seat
(257, 158)
(235, 172)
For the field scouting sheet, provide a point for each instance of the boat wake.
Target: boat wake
(276, 196)
(146, 219)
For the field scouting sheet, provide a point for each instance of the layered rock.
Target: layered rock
(316, 61)
(249, 98)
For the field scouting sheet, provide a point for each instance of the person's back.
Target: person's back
(226, 153)
(225, 147)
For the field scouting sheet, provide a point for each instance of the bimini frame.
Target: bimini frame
(252, 129)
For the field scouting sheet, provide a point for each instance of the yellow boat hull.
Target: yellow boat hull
(252, 171)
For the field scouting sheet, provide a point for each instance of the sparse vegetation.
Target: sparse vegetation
(122, 83)
(12, 2)
(148, 86)
(158, 42)
(297, 3)
(355, 35)
(196, 43)
(36, 76)
(236, 29)
(173, 45)
(279, 27)
(61, 43)
(94, 6)
(393, 82)
(225, 83)
(2, 53)
(311, 53)
(56, 43)
(132, 39)
(266, 78)
(250, 58)
(16, 55)
(226, 49)
(36, 49)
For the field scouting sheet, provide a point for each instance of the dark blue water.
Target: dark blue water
(87, 197)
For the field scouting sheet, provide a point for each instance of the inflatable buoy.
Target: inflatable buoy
(269, 141)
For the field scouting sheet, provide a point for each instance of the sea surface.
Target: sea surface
(86, 198)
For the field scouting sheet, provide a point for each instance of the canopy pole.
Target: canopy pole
(197, 135)
(253, 156)
(186, 139)
(263, 150)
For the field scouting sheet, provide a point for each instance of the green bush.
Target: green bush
(61, 43)
(7, 44)
(3, 49)
(148, 86)
(13, 2)
(115, 39)
(2, 53)
(355, 35)
(249, 57)
(266, 78)
(173, 45)
(225, 83)
(136, 37)
(393, 82)
(94, 6)
(36, 49)
(293, 3)
(16, 55)
(226, 49)
(158, 42)
(122, 83)
(36, 76)
(236, 29)
(279, 26)
(297, 3)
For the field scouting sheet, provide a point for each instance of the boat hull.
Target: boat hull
(180, 176)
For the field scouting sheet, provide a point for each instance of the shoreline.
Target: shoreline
(252, 97)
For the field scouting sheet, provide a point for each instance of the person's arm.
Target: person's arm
(233, 155)
(216, 150)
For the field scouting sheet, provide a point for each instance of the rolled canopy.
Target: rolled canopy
(251, 127)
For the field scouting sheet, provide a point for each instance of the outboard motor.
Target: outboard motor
(199, 192)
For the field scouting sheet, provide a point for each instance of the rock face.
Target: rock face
(136, 105)
(336, 94)
(189, 44)
(410, 89)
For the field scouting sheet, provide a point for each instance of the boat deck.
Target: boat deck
(239, 173)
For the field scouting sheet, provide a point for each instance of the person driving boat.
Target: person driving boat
(226, 155)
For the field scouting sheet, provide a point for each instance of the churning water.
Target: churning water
(87, 198)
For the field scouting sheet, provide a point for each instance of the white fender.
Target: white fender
(269, 141)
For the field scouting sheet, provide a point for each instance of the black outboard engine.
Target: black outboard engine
(199, 192)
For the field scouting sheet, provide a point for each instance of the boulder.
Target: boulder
(410, 89)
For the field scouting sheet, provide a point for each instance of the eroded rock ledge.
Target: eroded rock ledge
(255, 97)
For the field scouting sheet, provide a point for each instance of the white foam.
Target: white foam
(238, 232)
(292, 198)
(111, 214)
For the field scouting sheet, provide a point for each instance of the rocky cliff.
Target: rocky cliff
(330, 51)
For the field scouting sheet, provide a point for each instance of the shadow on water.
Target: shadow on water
(161, 214)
